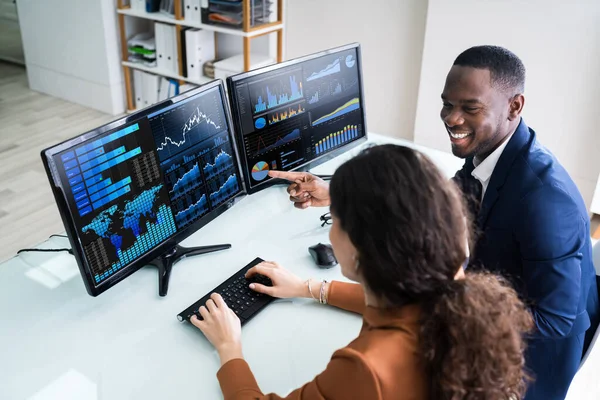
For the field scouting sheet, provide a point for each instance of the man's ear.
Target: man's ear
(516, 106)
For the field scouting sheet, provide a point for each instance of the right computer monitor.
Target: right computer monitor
(298, 114)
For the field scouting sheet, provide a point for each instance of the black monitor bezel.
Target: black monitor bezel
(65, 212)
(232, 80)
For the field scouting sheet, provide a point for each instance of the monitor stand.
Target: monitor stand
(167, 259)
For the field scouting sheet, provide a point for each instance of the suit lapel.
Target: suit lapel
(516, 143)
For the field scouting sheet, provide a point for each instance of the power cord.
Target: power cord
(70, 251)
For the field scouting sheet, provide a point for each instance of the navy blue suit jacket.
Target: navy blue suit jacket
(534, 229)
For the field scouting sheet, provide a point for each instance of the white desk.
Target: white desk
(58, 342)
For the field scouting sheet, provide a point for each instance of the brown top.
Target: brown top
(381, 363)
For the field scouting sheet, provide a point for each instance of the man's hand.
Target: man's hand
(306, 189)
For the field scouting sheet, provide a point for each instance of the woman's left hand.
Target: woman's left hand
(221, 327)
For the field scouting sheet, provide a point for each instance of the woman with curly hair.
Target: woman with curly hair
(429, 330)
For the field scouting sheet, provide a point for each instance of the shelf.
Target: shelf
(168, 74)
(157, 16)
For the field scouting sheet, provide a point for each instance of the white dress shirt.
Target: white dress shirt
(484, 169)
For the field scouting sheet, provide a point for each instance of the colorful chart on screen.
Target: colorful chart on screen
(350, 61)
(260, 123)
(260, 171)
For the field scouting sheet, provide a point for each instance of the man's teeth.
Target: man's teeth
(459, 135)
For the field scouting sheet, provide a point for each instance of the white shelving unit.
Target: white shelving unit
(158, 17)
(156, 71)
(246, 34)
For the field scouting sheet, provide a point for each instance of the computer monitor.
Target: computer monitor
(298, 114)
(129, 191)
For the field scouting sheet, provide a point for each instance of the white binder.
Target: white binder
(191, 10)
(137, 88)
(161, 47)
(150, 89)
(171, 48)
(138, 5)
(163, 89)
(166, 48)
(199, 48)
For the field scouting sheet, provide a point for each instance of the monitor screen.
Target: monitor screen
(298, 114)
(126, 189)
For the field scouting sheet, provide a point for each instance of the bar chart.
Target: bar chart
(276, 92)
(124, 231)
(86, 167)
(335, 139)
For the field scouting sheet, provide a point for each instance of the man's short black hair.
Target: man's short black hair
(506, 69)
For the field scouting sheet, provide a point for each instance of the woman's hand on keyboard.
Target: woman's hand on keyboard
(285, 283)
(221, 327)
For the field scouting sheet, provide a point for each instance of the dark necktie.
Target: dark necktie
(472, 190)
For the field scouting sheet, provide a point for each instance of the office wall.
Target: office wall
(559, 43)
(72, 51)
(391, 35)
(595, 207)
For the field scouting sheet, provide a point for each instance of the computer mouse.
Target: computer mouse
(323, 255)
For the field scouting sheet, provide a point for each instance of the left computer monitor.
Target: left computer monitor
(130, 190)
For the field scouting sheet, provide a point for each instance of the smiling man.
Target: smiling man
(532, 222)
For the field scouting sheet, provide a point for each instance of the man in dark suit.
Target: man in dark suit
(532, 223)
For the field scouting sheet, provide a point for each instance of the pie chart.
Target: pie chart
(260, 171)
(260, 123)
(350, 61)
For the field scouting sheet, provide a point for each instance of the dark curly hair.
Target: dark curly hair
(410, 228)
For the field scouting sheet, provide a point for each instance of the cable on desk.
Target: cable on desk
(70, 251)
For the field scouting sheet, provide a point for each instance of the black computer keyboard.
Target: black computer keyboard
(245, 302)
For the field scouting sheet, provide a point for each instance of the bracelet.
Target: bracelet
(310, 289)
(322, 298)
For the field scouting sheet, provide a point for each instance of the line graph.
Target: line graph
(188, 171)
(276, 141)
(350, 105)
(182, 127)
(222, 162)
(224, 191)
(330, 69)
(194, 120)
(196, 206)
(187, 181)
